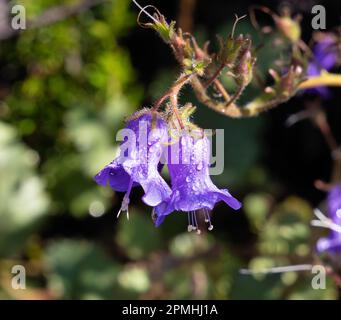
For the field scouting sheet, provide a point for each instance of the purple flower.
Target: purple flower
(332, 243)
(138, 162)
(325, 58)
(192, 187)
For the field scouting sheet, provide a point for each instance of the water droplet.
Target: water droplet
(195, 187)
(199, 166)
(152, 149)
(338, 213)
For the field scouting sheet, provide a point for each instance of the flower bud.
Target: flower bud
(289, 28)
(243, 69)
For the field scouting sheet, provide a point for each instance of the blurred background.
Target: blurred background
(66, 87)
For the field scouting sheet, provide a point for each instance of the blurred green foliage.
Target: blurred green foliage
(68, 88)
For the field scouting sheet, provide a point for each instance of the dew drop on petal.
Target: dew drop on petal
(195, 187)
(338, 213)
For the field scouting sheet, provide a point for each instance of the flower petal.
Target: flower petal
(115, 175)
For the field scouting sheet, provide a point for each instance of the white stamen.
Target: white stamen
(195, 220)
(118, 214)
(208, 219)
(124, 206)
(338, 213)
(190, 226)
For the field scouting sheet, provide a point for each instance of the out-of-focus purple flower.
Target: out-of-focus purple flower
(138, 161)
(332, 243)
(192, 187)
(325, 57)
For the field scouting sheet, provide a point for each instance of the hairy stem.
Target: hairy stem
(215, 76)
(175, 89)
(174, 106)
(249, 110)
(260, 104)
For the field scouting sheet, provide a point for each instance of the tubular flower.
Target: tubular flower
(192, 187)
(138, 162)
(325, 57)
(332, 243)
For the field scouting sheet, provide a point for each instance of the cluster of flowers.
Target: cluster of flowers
(187, 155)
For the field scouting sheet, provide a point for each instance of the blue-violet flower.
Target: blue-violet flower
(138, 162)
(332, 243)
(192, 187)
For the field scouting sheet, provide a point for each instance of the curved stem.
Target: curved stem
(175, 89)
(325, 79)
(259, 105)
(174, 105)
(215, 76)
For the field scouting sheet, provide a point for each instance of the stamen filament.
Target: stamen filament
(126, 201)
(190, 227)
(194, 217)
(208, 219)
